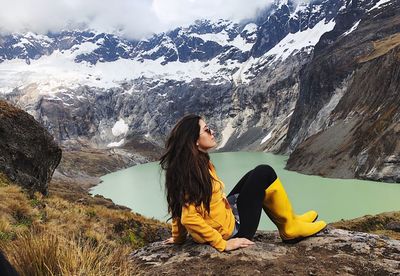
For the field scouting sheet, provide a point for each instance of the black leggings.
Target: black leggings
(251, 189)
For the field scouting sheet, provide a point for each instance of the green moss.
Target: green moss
(22, 219)
(7, 236)
(91, 213)
(133, 240)
(35, 202)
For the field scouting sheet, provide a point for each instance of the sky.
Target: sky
(136, 19)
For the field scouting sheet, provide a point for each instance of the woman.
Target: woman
(197, 202)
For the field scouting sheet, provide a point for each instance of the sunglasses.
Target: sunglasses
(207, 130)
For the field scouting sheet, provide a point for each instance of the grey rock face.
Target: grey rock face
(254, 100)
(264, 105)
(28, 153)
(346, 121)
(332, 252)
(150, 108)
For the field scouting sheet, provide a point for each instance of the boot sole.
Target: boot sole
(296, 240)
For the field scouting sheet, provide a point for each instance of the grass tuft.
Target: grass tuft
(48, 235)
(48, 254)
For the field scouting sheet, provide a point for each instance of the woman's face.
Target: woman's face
(206, 139)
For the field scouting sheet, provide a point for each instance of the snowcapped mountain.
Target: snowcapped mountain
(30, 46)
(245, 77)
(206, 50)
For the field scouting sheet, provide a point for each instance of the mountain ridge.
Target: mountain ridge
(252, 101)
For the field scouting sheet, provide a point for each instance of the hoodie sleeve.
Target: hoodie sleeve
(199, 229)
(179, 232)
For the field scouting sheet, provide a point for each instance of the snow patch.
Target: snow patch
(39, 37)
(301, 8)
(226, 134)
(60, 70)
(378, 5)
(266, 138)
(243, 73)
(299, 40)
(84, 48)
(280, 3)
(354, 27)
(250, 28)
(290, 114)
(100, 41)
(116, 144)
(269, 135)
(291, 44)
(166, 42)
(240, 43)
(222, 38)
(120, 128)
(22, 43)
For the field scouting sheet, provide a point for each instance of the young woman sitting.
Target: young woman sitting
(197, 202)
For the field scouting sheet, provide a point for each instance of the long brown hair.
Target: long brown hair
(187, 176)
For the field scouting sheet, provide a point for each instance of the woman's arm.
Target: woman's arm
(179, 232)
(198, 228)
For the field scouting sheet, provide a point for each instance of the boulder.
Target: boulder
(28, 153)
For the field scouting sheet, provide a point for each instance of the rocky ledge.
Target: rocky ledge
(331, 252)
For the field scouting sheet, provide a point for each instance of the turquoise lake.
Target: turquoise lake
(141, 189)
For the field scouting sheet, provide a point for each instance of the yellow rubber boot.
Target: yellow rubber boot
(278, 208)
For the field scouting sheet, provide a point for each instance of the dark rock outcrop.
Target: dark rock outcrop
(28, 153)
(332, 252)
(6, 268)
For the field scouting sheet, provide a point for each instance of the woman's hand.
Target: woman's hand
(236, 243)
(169, 241)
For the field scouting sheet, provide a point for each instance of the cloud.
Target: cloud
(135, 18)
(186, 11)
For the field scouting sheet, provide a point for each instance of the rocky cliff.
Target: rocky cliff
(332, 252)
(346, 121)
(28, 153)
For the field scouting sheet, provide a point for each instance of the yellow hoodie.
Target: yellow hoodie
(214, 228)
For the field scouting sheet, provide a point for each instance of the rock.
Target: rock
(394, 226)
(332, 251)
(6, 268)
(28, 153)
